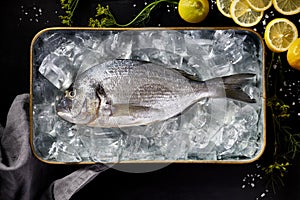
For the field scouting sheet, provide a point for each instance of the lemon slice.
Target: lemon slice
(260, 5)
(280, 33)
(224, 7)
(242, 13)
(287, 7)
(293, 54)
(193, 11)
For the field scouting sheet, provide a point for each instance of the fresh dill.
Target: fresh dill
(69, 6)
(104, 18)
(286, 142)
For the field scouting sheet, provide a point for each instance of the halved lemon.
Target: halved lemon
(224, 7)
(260, 5)
(280, 33)
(242, 13)
(193, 11)
(287, 7)
(293, 54)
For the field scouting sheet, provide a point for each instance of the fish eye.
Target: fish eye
(70, 94)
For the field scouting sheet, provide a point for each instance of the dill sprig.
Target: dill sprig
(69, 6)
(276, 172)
(286, 143)
(104, 18)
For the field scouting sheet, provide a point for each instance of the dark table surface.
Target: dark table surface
(22, 19)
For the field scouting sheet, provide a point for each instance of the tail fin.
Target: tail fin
(233, 86)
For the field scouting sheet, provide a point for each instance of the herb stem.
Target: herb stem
(74, 6)
(148, 9)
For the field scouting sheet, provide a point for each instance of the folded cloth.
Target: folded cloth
(22, 176)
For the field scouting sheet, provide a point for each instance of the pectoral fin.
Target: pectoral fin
(131, 110)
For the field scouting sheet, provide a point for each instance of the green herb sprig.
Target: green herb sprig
(286, 143)
(104, 18)
(69, 7)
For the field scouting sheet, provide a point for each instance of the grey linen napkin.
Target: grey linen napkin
(22, 176)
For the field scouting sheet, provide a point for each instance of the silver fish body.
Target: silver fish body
(123, 93)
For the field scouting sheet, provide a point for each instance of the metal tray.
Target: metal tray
(211, 131)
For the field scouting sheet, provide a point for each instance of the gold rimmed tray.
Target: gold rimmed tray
(211, 131)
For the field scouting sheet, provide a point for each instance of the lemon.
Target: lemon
(224, 7)
(260, 5)
(193, 11)
(242, 13)
(279, 34)
(287, 7)
(293, 54)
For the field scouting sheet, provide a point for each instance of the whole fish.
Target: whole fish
(121, 93)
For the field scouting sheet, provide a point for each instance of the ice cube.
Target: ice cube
(44, 117)
(136, 147)
(58, 70)
(228, 44)
(251, 149)
(63, 152)
(221, 66)
(52, 41)
(196, 153)
(104, 145)
(175, 146)
(230, 136)
(199, 138)
(42, 143)
(247, 116)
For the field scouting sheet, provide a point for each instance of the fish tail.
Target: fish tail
(230, 87)
(233, 86)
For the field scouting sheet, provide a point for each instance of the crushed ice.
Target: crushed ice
(213, 129)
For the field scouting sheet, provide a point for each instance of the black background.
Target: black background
(22, 19)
